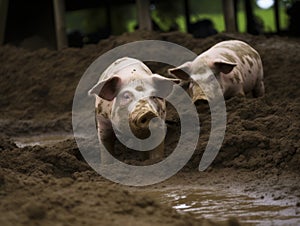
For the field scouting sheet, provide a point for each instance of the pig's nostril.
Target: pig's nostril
(200, 102)
(144, 120)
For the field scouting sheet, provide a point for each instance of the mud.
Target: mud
(51, 184)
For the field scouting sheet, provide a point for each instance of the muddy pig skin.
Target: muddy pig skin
(236, 66)
(126, 93)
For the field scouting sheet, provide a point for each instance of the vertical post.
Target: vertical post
(276, 10)
(60, 27)
(3, 16)
(235, 8)
(251, 27)
(144, 17)
(187, 15)
(228, 11)
(108, 16)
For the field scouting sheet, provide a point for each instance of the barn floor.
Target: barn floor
(45, 181)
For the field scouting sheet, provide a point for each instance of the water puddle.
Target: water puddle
(219, 206)
(41, 140)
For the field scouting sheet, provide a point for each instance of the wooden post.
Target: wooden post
(3, 16)
(187, 15)
(276, 12)
(108, 16)
(60, 27)
(252, 27)
(235, 8)
(144, 17)
(228, 11)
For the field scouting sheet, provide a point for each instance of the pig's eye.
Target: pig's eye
(126, 97)
(210, 79)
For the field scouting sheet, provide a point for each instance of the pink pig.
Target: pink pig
(126, 93)
(236, 66)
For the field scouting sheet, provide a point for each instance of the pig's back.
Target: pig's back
(249, 65)
(123, 65)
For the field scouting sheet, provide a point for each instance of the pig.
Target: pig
(117, 102)
(236, 66)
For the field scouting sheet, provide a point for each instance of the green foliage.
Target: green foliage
(87, 20)
(212, 9)
(166, 13)
(205, 6)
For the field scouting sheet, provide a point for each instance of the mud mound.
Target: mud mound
(44, 200)
(53, 184)
(38, 87)
(61, 160)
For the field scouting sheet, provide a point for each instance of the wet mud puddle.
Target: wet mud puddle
(209, 203)
(219, 206)
(41, 140)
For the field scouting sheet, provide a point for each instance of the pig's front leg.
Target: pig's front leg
(107, 138)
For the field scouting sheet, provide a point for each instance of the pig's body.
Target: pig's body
(236, 66)
(117, 96)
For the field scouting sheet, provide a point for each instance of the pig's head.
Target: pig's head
(199, 77)
(137, 100)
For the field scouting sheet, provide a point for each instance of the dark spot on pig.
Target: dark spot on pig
(242, 59)
(229, 57)
(249, 71)
(250, 62)
(237, 78)
(254, 55)
(105, 115)
(99, 108)
(139, 88)
(201, 70)
(242, 50)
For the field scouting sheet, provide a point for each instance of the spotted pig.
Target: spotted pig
(127, 93)
(236, 66)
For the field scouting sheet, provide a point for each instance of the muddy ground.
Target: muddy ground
(53, 185)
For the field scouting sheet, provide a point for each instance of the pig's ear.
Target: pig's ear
(107, 89)
(182, 71)
(223, 66)
(163, 85)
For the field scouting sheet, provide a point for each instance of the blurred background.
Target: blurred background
(74, 23)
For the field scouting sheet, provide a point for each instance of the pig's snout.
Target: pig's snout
(198, 96)
(144, 120)
(141, 117)
(140, 124)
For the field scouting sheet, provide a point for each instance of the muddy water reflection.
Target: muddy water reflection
(217, 205)
(41, 140)
(209, 203)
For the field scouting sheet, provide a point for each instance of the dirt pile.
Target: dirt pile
(54, 184)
